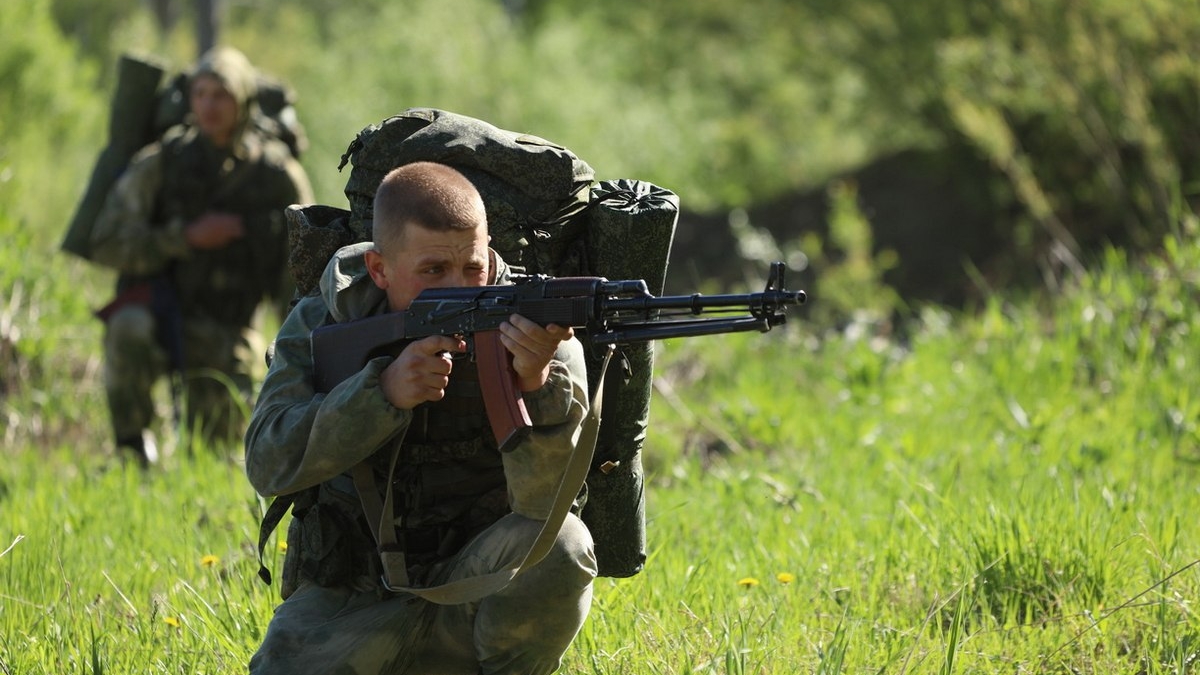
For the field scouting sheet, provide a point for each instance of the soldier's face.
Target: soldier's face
(425, 259)
(214, 108)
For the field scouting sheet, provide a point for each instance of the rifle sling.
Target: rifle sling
(472, 589)
(381, 518)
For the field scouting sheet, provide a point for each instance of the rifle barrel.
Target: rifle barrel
(697, 302)
(663, 330)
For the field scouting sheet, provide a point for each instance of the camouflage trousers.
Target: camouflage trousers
(216, 383)
(522, 629)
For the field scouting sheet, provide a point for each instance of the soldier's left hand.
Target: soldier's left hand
(532, 347)
(213, 230)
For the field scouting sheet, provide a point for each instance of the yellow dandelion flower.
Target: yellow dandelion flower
(172, 621)
(283, 547)
(785, 577)
(747, 582)
(209, 560)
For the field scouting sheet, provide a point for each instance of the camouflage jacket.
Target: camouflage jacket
(140, 230)
(298, 438)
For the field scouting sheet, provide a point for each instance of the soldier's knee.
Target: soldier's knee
(131, 328)
(568, 568)
(575, 549)
(526, 627)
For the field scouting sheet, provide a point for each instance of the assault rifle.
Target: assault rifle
(604, 312)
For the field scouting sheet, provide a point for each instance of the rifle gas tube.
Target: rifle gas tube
(607, 312)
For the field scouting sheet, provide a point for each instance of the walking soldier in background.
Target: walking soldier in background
(195, 228)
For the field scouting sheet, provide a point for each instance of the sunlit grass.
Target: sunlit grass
(1006, 491)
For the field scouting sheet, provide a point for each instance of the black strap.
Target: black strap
(275, 513)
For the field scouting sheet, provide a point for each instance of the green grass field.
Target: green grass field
(1006, 492)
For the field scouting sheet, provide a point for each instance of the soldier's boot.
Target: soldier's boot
(141, 449)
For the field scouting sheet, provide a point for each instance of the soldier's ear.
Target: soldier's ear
(376, 268)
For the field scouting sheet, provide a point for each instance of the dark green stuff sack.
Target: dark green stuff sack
(547, 215)
(630, 226)
(130, 126)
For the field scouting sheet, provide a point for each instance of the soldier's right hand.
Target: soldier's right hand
(421, 372)
(214, 230)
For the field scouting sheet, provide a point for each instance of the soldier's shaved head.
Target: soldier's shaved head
(425, 194)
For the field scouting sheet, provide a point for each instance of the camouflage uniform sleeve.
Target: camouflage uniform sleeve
(300, 193)
(289, 181)
(300, 183)
(289, 185)
(297, 437)
(125, 236)
(534, 469)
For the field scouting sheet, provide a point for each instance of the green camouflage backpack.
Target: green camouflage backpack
(145, 104)
(549, 215)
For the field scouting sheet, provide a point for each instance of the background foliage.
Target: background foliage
(1082, 112)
